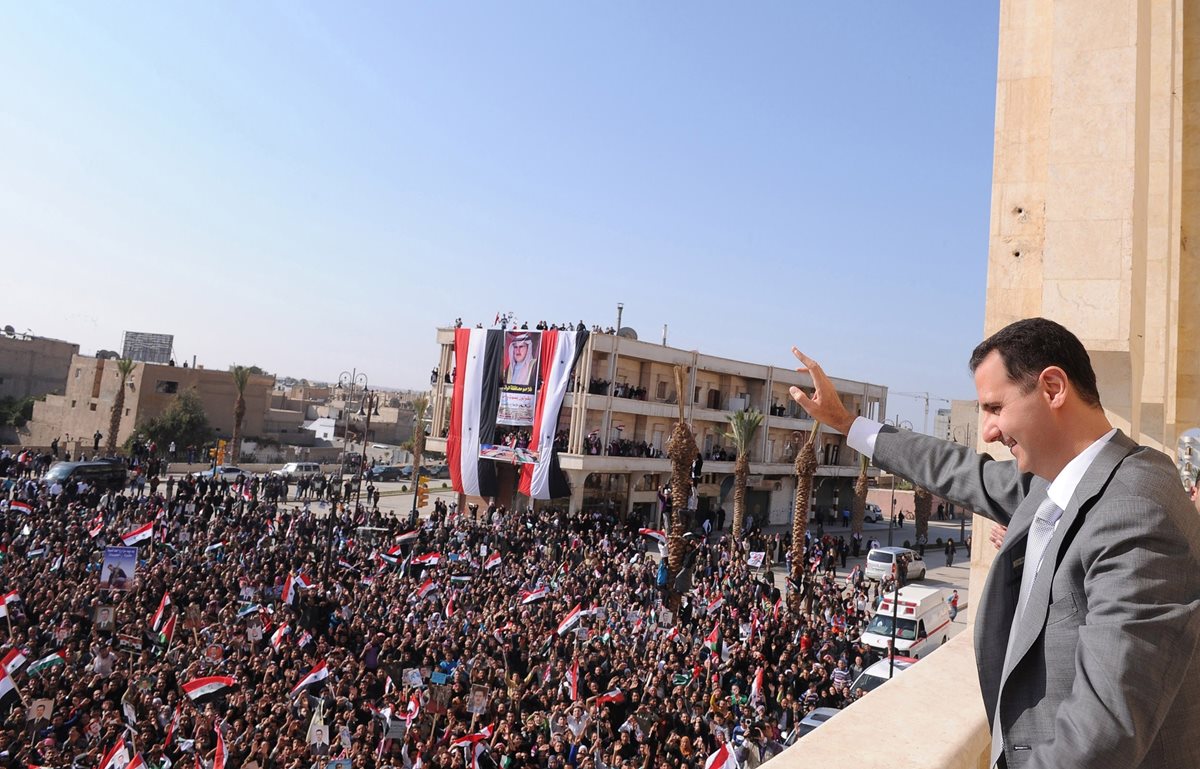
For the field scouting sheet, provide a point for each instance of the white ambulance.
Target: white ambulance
(922, 621)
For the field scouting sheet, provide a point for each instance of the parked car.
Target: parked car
(384, 473)
(881, 559)
(229, 472)
(440, 472)
(294, 471)
(873, 513)
(880, 673)
(811, 721)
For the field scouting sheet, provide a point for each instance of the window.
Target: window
(696, 396)
(167, 387)
(126, 412)
(91, 407)
(714, 399)
(72, 404)
(661, 392)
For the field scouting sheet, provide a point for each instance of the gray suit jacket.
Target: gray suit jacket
(1103, 671)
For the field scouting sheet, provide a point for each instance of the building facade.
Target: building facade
(91, 388)
(616, 419)
(32, 366)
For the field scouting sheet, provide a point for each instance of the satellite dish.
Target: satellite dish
(9, 331)
(628, 333)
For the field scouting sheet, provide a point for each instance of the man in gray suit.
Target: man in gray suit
(1086, 631)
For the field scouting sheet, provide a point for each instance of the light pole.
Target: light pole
(899, 424)
(369, 402)
(348, 381)
(620, 309)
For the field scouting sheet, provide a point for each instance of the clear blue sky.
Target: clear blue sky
(312, 187)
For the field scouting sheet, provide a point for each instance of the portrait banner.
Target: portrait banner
(118, 571)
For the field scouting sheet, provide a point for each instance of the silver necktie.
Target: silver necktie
(1040, 533)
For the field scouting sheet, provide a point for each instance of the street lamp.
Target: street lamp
(349, 381)
(899, 424)
(370, 406)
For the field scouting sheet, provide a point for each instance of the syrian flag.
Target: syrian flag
(117, 757)
(136, 763)
(756, 687)
(569, 620)
(386, 560)
(479, 358)
(13, 661)
(715, 604)
(654, 534)
(492, 562)
(289, 590)
(713, 640)
(319, 673)
(156, 621)
(722, 759)
(20, 507)
(303, 582)
(219, 755)
(413, 710)
(450, 607)
(171, 727)
(408, 536)
(560, 350)
(426, 588)
(467, 740)
(134, 536)
(278, 635)
(8, 691)
(529, 596)
(8, 598)
(214, 547)
(673, 633)
(202, 687)
(347, 565)
(96, 527)
(572, 680)
(429, 559)
(612, 695)
(49, 661)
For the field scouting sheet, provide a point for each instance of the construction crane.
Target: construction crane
(925, 397)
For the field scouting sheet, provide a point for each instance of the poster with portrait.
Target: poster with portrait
(39, 712)
(519, 378)
(104, 617)
(118, 570)
(478, 704)
(755, 561)
(439, 700)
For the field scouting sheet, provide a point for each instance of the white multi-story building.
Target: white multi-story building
(617, 418)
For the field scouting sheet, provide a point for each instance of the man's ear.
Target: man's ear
(1054, 385)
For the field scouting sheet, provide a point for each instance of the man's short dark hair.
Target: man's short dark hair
(1028, 347)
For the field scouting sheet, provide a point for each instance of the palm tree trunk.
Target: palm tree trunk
(239, 413)
(741, 471)
(114, 421)
(806, 468)
(681, 448)
(858, 509)
(922, 506)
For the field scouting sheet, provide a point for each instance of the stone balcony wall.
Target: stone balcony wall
(929, 718)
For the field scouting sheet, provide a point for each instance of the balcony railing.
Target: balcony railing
(931, 717)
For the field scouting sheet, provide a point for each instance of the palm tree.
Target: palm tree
(858, 508)
(420, 405)
(124, 369)
(681, 449)
(241, 377)
(742, 427)
(806, 468)
(922, 505)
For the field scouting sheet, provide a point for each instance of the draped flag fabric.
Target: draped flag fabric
(569, 620)
(219, 755)
(722, 759)
(479, 362)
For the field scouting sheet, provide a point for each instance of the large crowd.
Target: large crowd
(301, 633)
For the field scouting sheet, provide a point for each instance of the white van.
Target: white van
(294, 471)
(881, 559)
(922, 619)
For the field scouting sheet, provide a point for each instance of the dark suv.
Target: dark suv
(100, 474)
